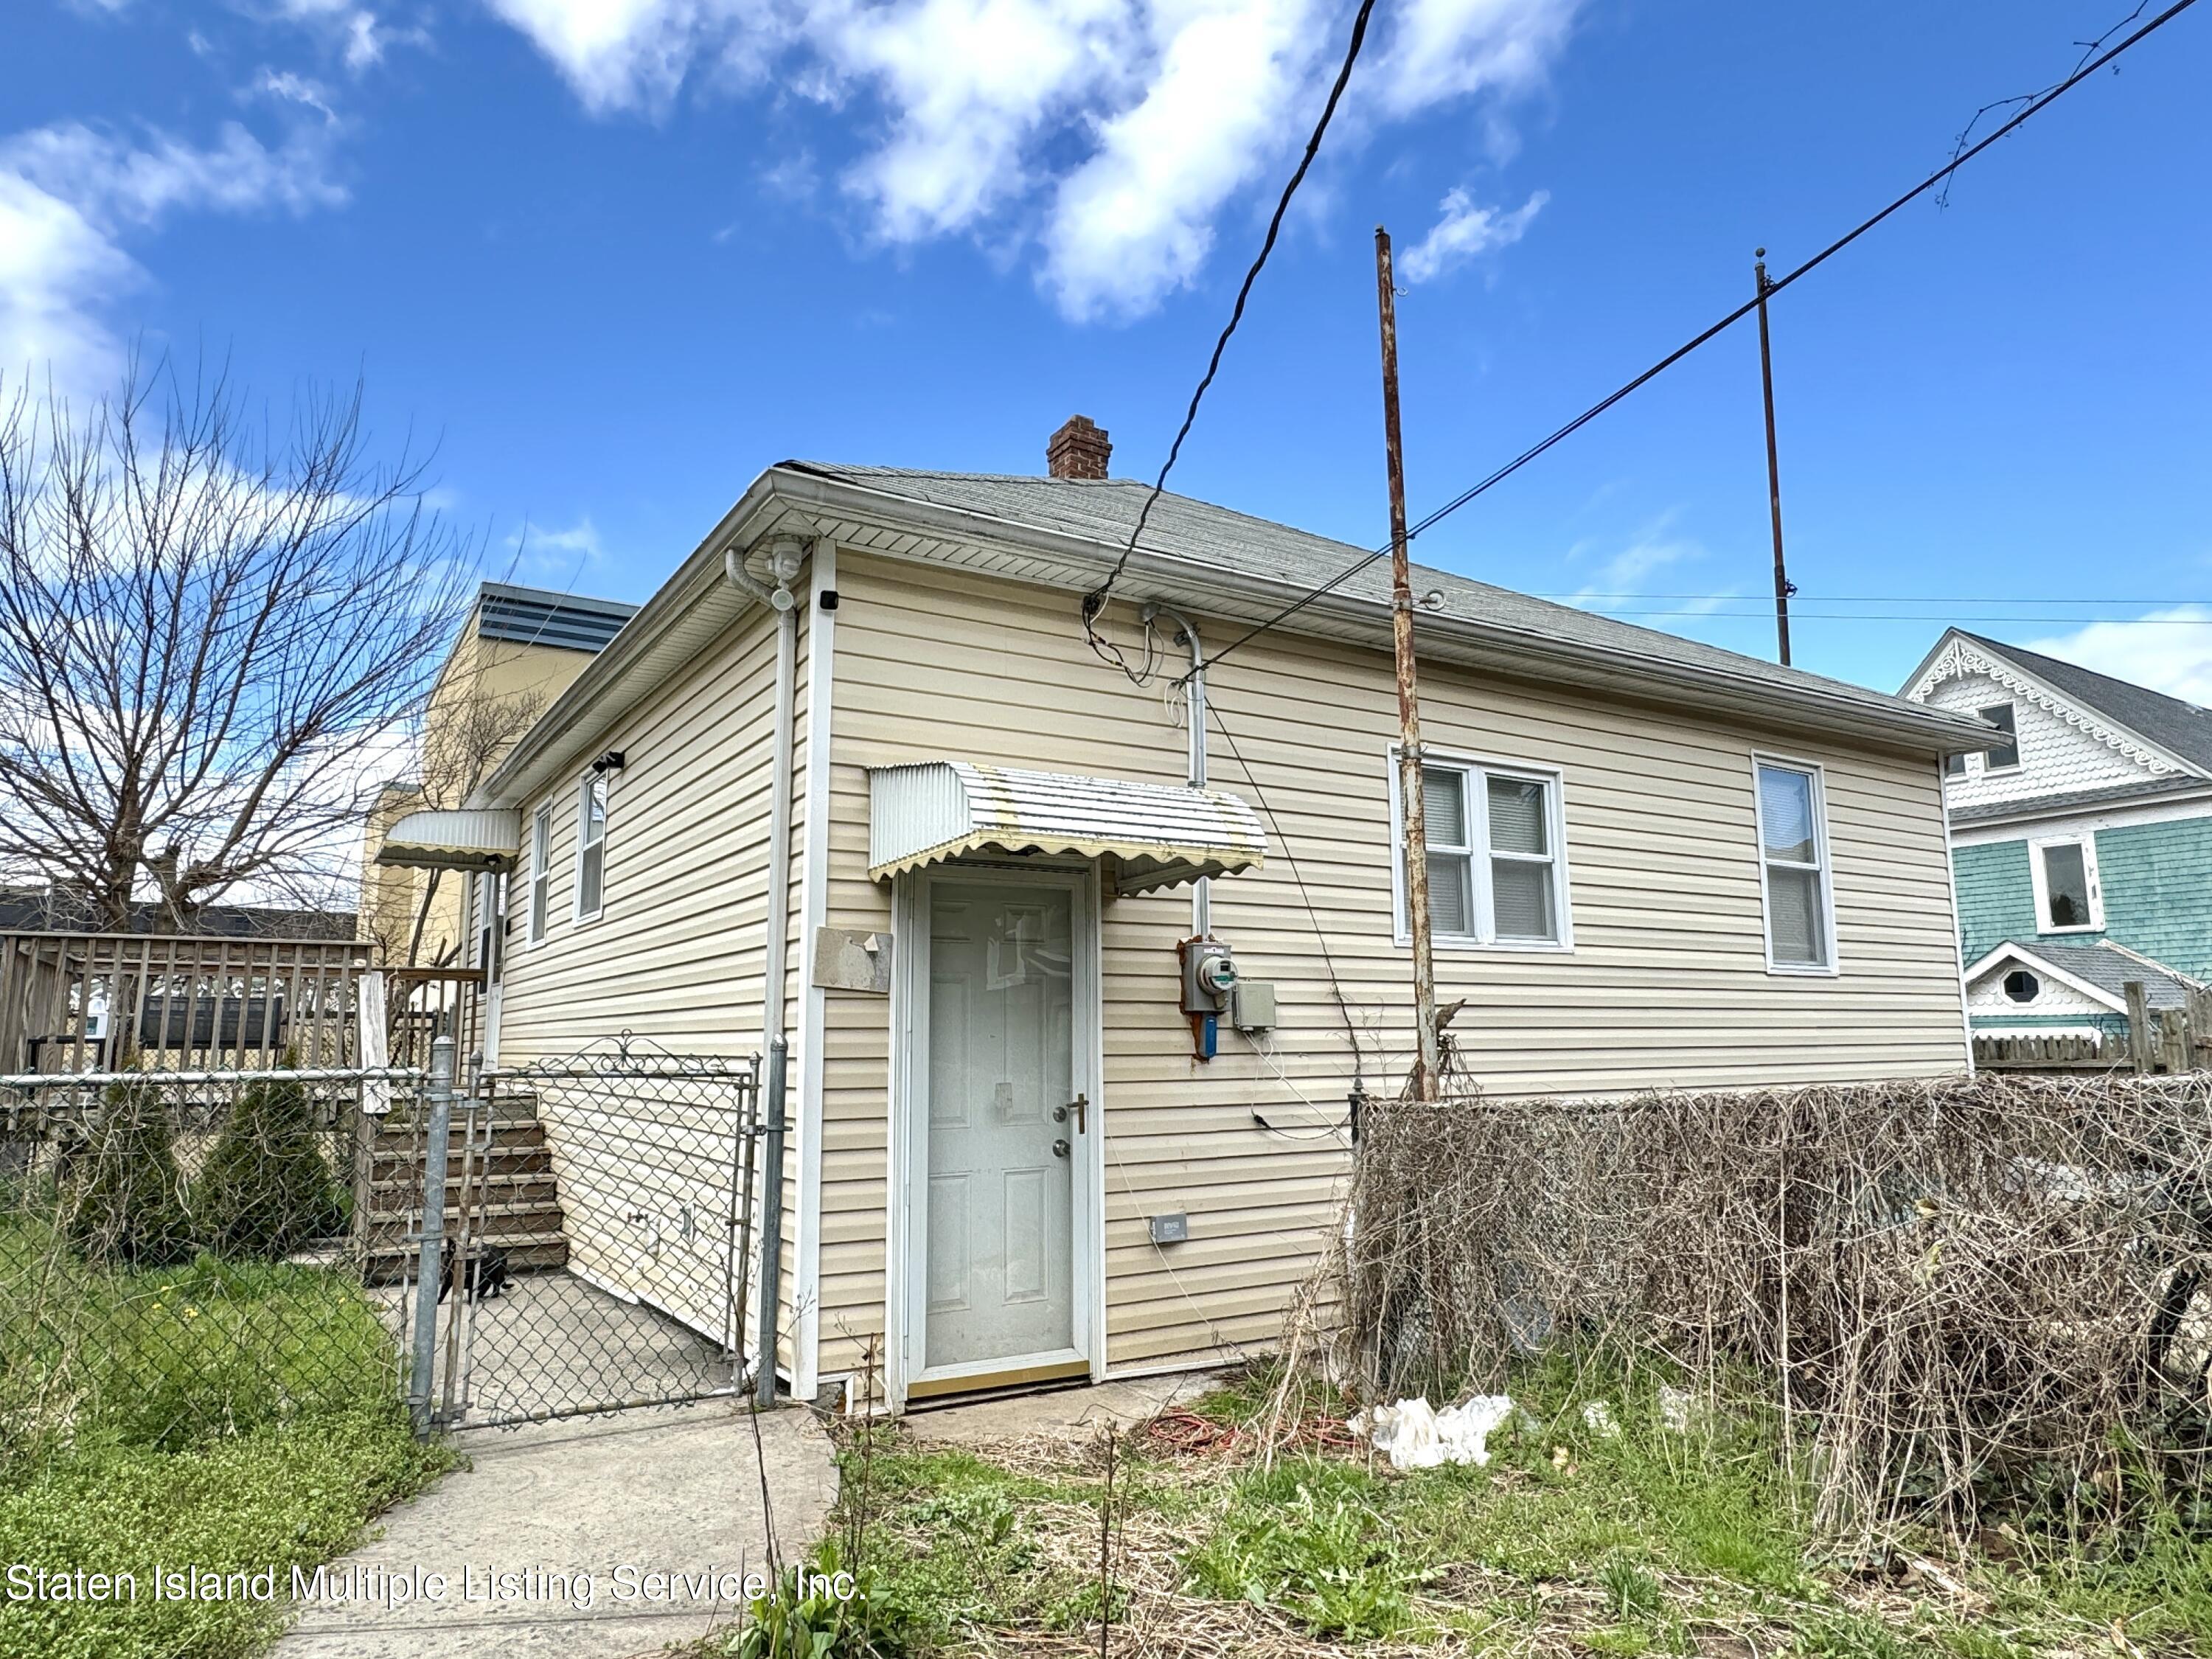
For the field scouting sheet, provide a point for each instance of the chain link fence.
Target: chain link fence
(181, 1254)
(189, 1255)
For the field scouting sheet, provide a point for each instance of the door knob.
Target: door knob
(1059, 1149)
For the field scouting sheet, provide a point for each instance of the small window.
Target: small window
(1955, 765)
(1794, 865)
(2004, 754)
(2021, 986)
(1495, 875)
(2067, 898)
(541, 871)
(590, 846)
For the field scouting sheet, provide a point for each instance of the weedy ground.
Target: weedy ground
(1625, 1537)
(222, 1416)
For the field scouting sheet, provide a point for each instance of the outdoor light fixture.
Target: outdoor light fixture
(609, 761)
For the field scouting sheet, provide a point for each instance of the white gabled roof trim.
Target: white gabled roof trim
(1161, 835)
(1956, 656)
(2027, 958)
(481, 838)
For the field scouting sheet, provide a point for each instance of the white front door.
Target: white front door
(997, 1274)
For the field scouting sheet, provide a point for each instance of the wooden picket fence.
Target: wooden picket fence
(2173, 1040)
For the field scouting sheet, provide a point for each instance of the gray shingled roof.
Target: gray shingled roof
(48, 910)
(2181, 727)
(2080, 800)
(2109, 968)
(1182, 527)
(539, 615)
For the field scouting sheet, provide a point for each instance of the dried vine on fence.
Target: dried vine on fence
(1956, 1293)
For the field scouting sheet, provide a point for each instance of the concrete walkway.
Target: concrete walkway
(574, 1513)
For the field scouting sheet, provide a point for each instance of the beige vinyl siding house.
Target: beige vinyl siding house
(936, 619)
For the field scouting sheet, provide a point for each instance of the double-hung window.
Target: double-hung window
(2068, 899)
(1497, 871)
(590, 846)
(541, 873)
(1793, 856)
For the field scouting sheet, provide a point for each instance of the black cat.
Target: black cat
(485, 1278)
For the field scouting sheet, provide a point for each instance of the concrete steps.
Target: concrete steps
(513, 1201)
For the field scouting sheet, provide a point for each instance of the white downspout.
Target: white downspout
(784, 565)
(1201, 901)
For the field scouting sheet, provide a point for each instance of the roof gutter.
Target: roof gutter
(1535, 655)
(707, 566)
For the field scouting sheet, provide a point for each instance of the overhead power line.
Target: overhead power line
(1764, 615)
(2041, 102)
(1095, 601)
(1881, 599)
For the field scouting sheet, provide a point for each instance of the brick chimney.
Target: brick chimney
(1078, 450)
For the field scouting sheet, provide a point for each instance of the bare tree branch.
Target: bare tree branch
(215, 639)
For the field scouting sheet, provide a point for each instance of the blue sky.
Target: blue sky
(612, 257)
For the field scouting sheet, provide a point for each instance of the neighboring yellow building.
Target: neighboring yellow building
(520, 649)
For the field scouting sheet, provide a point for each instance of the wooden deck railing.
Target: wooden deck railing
(78, 1002)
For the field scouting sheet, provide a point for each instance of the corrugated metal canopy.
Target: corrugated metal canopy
(1158, 835)
(481, 838)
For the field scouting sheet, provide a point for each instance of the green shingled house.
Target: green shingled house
(2081, 838)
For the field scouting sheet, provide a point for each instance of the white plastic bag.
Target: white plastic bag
(1414, 1435)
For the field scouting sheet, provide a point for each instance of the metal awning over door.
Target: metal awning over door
(1155, 834)
(488, 838)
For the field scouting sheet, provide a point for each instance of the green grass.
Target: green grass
(272, 1497)
(222, 1416)
(175, 1357)
(1646, 1540)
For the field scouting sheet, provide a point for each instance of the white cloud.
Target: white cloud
(1447, 49)
(55, 268)
(1465, 230)
(1654, 548)
(1111, 134)
(356, 34)
(1135, 221)
(71, 196)
(115, 183)
(286, 87)
(538, 549)
(625, 54)
(971, 86)
(2168, 650)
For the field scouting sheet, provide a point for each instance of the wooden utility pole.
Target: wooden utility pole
(1426, 1064)
(1783, 590)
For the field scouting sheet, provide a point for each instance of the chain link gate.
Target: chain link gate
(599, 1237)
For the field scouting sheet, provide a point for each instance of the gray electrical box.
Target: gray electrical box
(1209, 976)
(1254, 1006)
(1171, 1229)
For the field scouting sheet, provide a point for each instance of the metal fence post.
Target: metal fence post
(431, 1273)
(771, 1228)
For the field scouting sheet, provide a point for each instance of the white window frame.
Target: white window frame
(590, 781)
(1825, 869)
(1478, 768)
(2087, 843)
(538, 920)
